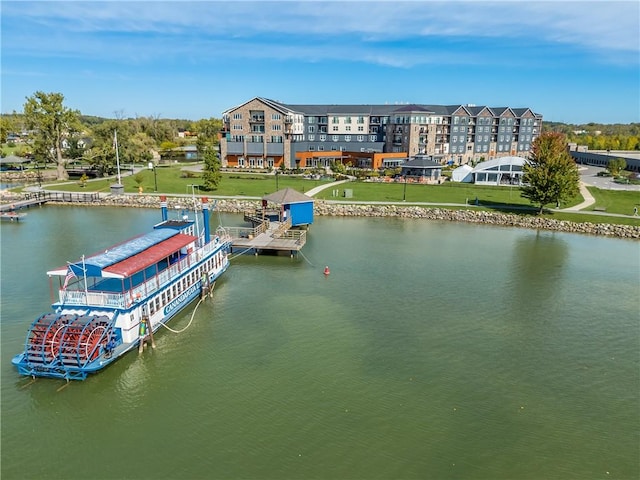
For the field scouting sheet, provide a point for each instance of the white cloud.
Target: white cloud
(374, 30)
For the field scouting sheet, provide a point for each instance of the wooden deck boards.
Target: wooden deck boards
(270, 240)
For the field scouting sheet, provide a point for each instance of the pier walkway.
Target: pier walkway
(267, 235)
(40, 197)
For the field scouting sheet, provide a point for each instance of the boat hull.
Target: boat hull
(52, 363)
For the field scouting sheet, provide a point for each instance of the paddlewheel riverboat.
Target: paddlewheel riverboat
(113, 301)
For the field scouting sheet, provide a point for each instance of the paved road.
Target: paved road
(589, 175)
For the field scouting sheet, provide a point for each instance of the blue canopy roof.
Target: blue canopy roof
(120, 252)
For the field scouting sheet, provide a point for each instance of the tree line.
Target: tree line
(550, 174)
(58, 134)
(598, 136)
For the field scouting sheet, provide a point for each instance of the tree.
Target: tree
(550, 174)
(211, 175)
(616, 165)
(51, 122)
(207, 129)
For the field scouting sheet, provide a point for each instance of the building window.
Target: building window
(320, 148)
(237, 126)
(360, 128)
(348, 128)
(312, 129)
(334, 138)
(237, 116)
(311, 119)
(323, 138)
(361, 138)
(275, 116)
(334, 120)
(276, 126)
(347, 120)
(312, 138)
(334, 128)
(360, 119)
(312, 148)
(347, 138)
(372, 138)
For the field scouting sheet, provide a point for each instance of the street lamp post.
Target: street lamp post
(276, 180)
(155, 175)
(404, 192)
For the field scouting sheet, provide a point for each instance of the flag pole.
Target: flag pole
(115, 142)
(84, 273)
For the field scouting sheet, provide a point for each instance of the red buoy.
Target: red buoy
(326, 270)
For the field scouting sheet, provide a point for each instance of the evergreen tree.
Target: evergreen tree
(550, 175)
(211, 175)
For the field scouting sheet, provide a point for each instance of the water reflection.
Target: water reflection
(537, 273)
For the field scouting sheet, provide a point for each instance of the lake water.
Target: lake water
(433, 350)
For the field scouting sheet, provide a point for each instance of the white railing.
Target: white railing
(152, 285)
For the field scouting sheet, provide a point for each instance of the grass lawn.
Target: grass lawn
(615, 201)
(174, 180)
(448, 192)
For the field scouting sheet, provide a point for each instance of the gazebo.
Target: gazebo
(13, 162)
(422, 167)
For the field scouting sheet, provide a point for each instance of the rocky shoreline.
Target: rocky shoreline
(323, 208)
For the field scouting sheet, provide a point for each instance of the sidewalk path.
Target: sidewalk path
(588, 200)
(324, 186)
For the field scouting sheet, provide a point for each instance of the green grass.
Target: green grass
(615, 201)
(173, 180)
(460, 193)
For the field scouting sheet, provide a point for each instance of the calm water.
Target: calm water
(433, 350)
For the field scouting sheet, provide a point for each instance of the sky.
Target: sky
(571, 61)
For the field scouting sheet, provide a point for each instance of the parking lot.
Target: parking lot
(589, 175)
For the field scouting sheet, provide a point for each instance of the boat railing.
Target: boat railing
(144, 289)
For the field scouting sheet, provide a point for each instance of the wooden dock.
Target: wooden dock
(267, 236)
(38, 198)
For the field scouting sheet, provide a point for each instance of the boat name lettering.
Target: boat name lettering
(180, 299)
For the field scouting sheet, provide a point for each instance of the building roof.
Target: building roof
(10, 159)
(421, 162)
(287, 196)
(496, 162)
(381, 110)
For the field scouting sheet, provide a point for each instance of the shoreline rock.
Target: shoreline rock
(323, 208)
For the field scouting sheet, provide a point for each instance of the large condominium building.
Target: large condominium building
(263, 133)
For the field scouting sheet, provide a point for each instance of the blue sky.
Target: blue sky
(571, 61)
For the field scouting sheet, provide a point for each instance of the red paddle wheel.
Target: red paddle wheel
(43, 340)
(82, 340)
